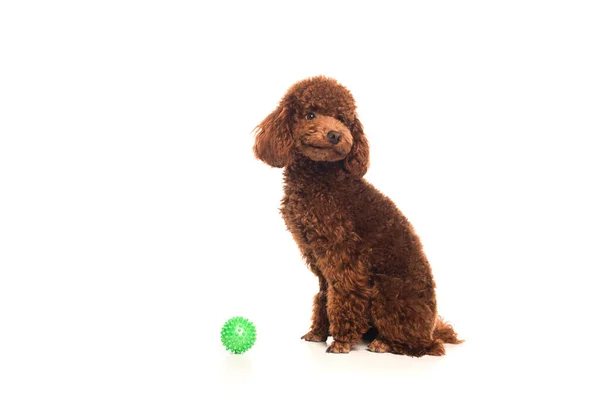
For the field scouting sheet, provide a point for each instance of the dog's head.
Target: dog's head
(316, 119)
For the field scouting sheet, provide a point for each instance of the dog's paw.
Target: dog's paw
(339, 347)
(377, 346)
(314, 337)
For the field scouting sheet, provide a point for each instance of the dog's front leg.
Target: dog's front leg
(319, 330)
(347, 305)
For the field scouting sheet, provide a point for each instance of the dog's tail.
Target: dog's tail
(445, 332)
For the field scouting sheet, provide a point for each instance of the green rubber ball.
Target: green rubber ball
(238, 335)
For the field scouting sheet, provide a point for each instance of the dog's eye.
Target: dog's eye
(310, 116)
(341, 119)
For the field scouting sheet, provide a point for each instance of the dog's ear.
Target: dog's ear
(357, 161)
(274, 143)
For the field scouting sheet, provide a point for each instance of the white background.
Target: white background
(134, 219)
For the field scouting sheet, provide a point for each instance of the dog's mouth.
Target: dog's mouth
(325, 152)
(315, 146)
(338, 147)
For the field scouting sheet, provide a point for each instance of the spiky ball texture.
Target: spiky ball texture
(238, 335)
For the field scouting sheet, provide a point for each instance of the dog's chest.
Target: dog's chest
(308, 216)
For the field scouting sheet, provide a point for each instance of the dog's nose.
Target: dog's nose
(334, 137)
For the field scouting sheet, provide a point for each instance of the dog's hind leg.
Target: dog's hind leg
(382, 345)
(405, 317)
(379, 345)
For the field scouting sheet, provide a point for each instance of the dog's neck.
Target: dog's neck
(304, 170)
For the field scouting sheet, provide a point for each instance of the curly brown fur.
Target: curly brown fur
(374, 279)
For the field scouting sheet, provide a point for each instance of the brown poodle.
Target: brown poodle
(373, 274)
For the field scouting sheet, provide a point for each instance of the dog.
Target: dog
(374, 278)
